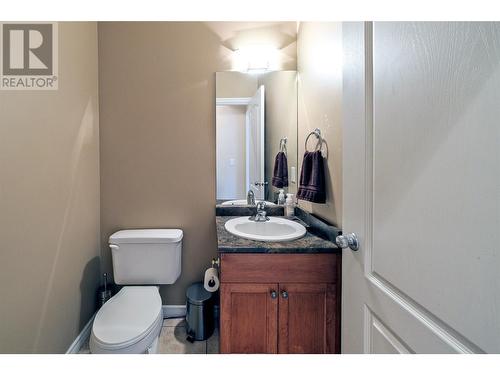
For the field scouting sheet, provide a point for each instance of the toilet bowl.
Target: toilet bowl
(131, 321)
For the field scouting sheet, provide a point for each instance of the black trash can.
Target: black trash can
(200, 313)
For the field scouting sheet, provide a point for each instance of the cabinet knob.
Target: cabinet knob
(274, 294)
(284, 294)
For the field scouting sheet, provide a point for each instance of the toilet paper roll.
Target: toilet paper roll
(211, 282)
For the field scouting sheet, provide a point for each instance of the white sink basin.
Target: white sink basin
(275, 230)
(243, 202)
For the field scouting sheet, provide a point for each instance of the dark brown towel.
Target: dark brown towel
(312, 178)
(280, 174)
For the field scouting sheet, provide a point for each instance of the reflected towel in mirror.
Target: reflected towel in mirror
(280, 174)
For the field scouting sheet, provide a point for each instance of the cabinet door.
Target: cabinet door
(249, 318)
(309, 318)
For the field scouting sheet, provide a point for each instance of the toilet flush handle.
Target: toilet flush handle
(113, 247)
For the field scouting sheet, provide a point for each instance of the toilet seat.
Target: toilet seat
(130, 322)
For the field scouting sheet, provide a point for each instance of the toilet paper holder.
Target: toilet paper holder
(211, 280)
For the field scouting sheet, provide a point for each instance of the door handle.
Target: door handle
(274, 294)
(284, 294)
(348, 241)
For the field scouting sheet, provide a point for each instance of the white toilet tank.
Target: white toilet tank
(146, 256)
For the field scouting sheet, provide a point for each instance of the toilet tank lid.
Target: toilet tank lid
(146, 236)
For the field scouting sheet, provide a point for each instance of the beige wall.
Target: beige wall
(157, 96)
(319, 51)
(49, 202)
(236, 85)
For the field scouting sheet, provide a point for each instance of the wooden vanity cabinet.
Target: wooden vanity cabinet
(280, 303)
(250, 318)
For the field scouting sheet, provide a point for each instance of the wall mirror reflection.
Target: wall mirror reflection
(256, 135)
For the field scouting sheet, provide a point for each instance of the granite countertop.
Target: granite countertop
(310, 243)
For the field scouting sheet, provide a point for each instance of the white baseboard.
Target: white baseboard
(173, 311)
(81, 338)
(169, 311)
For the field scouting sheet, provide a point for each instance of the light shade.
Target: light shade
(256, 58)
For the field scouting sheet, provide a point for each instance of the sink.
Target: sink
(243, 202)
(277, 229)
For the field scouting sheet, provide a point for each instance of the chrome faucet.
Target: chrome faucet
(261, 215)
(251, 198)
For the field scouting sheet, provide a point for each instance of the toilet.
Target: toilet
(130, 322)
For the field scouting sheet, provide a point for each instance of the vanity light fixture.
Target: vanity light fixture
(256, 58)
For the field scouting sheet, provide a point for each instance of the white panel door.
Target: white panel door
(255, 123)
(421, 187)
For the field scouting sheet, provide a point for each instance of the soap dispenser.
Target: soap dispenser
(289, 206)
(281, 197)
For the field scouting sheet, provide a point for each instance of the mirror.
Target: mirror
(256, 118)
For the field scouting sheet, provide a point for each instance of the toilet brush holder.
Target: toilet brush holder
(105, 292)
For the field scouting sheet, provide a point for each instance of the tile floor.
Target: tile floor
(173, 340)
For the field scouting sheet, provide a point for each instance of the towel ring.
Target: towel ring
(317, 133)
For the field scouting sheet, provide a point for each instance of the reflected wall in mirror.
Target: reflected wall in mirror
(256, 118)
